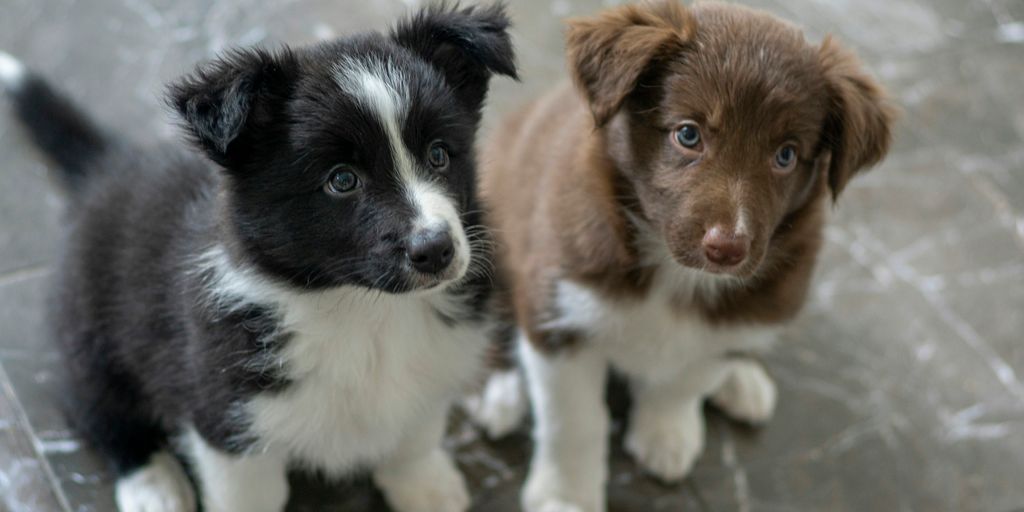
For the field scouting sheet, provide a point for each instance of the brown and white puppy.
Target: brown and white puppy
(663, 218)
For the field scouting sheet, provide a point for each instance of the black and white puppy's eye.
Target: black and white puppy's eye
(437, 156)
(785, 158)
(688, 135)
(341, 181)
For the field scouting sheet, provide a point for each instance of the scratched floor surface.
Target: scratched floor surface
(901, 382)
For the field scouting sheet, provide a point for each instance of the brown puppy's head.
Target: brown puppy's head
(724, 121)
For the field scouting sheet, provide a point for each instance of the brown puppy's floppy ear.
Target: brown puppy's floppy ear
(858, 128)
(608, 52)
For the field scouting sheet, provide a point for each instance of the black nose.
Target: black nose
(430, 251)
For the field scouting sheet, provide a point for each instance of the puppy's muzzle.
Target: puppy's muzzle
(725, 248)
(430, 251)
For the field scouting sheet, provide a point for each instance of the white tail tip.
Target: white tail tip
(12, 72)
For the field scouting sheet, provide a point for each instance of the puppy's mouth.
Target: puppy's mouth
(740, 270)
(426, 281)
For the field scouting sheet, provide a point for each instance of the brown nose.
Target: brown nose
(723, 247)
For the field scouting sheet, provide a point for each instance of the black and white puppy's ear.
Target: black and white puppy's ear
(231, 103)
(467, 45)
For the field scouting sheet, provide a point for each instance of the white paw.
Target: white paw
(502, 405)
(548, 490)
(431, 485)
(748, 394)
(666, 445)
(557, 506)
(159, 486)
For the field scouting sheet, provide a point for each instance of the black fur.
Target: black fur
(466, 45)
(146, 350)
(63, 132)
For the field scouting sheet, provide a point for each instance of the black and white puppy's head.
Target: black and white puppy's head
(351, 162)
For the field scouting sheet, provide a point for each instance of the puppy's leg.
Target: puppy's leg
(666, 426)
(502, 405)
(230, 483)
(748, 394)
(109, 413)
(569, 466)
(420, 476)
(158, 486)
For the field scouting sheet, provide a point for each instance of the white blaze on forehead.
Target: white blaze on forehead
(435, 207)
(741, 220)
(436, 211)
(743, 223)
(382, 89)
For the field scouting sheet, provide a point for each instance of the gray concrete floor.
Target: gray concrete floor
(900, 382)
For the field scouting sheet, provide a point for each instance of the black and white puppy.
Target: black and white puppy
(311, 293)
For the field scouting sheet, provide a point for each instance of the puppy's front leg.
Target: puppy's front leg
(230, 483)
(748, 394)
(569, 466)
(420, 476)
(666, 425)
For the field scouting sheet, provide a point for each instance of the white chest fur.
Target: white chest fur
(654, 336)
(364, 368)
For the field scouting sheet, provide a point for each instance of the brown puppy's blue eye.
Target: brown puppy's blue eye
(342, 181)
(785, 157)
(688, 135)
(437, 156)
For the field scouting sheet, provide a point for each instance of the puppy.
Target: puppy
(311, 293)
(662, 218)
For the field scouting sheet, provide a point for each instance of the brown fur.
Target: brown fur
(565, 176)
(626, 40)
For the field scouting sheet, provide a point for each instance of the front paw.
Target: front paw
(666, 445)
(502, 405)
(549, 490)
(748, 395)
(159, 486)
(432, 485)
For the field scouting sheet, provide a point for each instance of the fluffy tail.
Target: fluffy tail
(56, 126)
